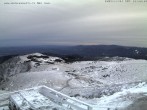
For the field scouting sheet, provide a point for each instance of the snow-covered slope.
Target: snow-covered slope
(26, 63)
(79, 74)
(91, 81)
(111, 72)
(133, 98)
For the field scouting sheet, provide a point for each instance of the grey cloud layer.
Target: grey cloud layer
(74, 22)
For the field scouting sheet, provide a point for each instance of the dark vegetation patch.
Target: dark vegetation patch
(75, 75)
(49, 62)
(27, 61)
(35, 58)
(5, 58)
(107, 75)
(58, 60)
(75, 58)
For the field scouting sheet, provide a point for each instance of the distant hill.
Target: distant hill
(81, 52)
(97, 51)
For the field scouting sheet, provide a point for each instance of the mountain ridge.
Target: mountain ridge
(77, 53)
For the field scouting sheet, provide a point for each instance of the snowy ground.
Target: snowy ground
(124, 98)
(104, 83)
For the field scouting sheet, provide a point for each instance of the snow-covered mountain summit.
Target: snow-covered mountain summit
(26, 63)
(40, 58)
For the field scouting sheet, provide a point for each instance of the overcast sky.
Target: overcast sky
(73, 22)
